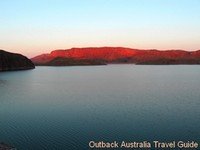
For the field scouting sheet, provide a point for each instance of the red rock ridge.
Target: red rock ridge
(105, 53)
(120, 54)
(108, 53)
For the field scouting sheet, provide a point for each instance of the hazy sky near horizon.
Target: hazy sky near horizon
(32, 27)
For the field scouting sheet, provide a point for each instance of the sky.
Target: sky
(32, 27)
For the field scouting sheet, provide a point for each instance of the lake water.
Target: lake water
(61, 108)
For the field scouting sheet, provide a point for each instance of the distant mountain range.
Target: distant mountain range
(11, 61)
(107, 55)
(98, 56)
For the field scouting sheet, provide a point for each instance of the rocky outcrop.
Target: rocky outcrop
(11, 61)
(103, 54)
(122, 55)
(156, 57)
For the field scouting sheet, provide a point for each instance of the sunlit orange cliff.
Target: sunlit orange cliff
(106, 55)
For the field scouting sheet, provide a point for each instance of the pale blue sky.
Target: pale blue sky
(32, 27)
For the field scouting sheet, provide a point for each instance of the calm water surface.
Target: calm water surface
(61, 108)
